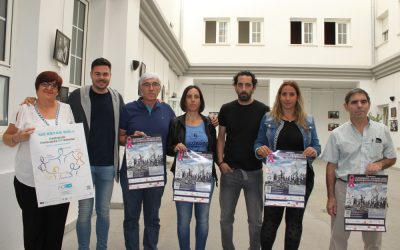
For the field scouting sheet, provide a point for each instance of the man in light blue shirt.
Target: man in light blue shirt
(359, 146)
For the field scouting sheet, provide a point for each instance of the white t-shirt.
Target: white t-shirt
(26, 117)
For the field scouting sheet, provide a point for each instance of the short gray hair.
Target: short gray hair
(149, 75)
(356, 91)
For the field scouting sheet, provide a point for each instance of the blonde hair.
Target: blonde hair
(277, 111)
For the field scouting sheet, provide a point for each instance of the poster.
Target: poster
(365, 205)
(193, 177)
(285, 179)
(60, 163)
(145, 162)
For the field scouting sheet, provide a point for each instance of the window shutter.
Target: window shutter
(244, 31)
(330, 31)
(295, 32)
(211, 31)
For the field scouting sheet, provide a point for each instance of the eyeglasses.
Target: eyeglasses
(52, 85)
(152, 84)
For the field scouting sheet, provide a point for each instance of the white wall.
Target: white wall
(383, 89)
(217, 95)
(33, 38)
(386, 49)
(276, 48)
(171, 10)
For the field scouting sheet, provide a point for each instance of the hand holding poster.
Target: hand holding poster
(145, 162)
(60, 163)
(285, 179)
(193, 177)
(365, 205)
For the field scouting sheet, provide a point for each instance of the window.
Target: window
(249, 31)
(385, 28)
(336, 32)
(382, 27)
(216, 31)
(302, 32)
(5, 30)
(5, 72)
(78, 42)
(3, 100)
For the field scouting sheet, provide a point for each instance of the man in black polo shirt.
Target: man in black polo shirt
(239, 122)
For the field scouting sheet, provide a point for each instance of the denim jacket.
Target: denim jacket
(269, 131)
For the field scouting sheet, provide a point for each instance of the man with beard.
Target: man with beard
(239, 122)
(98, 107)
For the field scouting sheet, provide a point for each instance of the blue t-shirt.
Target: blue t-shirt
(196, 138)
(136, 117)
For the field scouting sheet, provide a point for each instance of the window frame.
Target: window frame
(385, 28)
(6, 94)
(8, 33)
(73, 55)
(217, 21)
(5, 65)
(382, 32)
(338, 34)
(252, 22)
(311, 35)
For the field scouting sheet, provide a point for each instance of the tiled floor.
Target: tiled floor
(316, 232)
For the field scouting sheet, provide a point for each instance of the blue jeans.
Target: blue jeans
(184, 214)
(231, 185)
(103, 181)
(133, 200)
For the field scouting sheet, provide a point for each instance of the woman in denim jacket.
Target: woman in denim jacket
(287, 127)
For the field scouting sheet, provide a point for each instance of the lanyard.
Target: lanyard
(41, 116)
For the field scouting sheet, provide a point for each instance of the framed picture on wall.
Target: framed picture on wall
(61, 48)
(332, 126)
(142, 69)
(163, 93)
(63, 94)
(393, 112)
(393, 126)
(333, 114)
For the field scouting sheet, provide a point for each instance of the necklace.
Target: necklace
(41, 116)
(287, 118)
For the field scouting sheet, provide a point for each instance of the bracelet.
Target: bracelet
(219, 163)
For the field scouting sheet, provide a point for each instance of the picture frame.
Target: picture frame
(333, 114)
(163, 93)
(62, 45)
(142, 69)
(393, 126)
(63, 94)
(393, 112)
(141, 72)
(332, 126)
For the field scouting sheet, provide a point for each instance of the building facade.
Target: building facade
(328, 46)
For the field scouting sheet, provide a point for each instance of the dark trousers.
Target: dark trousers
(43, 227)
(293, 219)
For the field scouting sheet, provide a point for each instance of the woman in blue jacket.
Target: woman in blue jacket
(287, 127)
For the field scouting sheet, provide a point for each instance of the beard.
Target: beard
(243, 96)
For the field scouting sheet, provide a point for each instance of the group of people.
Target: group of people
(248, 133)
